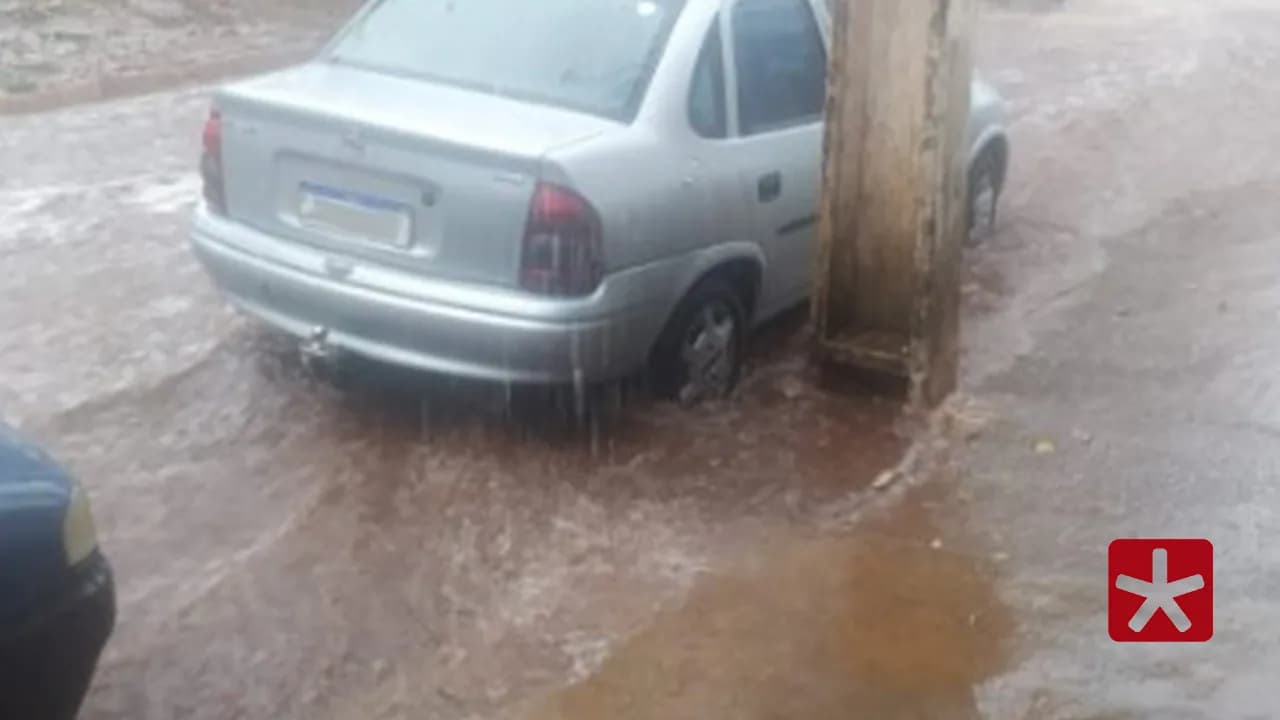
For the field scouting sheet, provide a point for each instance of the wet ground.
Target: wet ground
(57, 51)
(1149, 375)
(411, 547)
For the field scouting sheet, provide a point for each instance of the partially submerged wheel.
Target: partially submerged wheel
(699, 356)
(984, 197)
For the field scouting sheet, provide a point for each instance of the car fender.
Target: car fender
(699, 263)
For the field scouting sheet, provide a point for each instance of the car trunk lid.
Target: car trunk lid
(391, 169)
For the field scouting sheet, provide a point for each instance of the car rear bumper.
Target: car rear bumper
(48, 662)
(396, 316)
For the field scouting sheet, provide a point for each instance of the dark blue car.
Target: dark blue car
(57, 600)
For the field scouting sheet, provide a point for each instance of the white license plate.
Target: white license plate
(354, 215)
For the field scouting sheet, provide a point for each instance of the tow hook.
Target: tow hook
(316, 350)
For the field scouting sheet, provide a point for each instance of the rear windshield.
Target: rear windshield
(591, 55)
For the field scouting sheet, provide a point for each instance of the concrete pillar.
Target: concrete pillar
(893, 216)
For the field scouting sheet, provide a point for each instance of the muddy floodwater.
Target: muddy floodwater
(881, 621)
(283, 545)
(404, 546)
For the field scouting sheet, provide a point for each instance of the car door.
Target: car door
(776, 77)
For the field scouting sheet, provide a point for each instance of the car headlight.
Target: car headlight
(79, 535)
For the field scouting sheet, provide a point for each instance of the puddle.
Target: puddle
(877, 624)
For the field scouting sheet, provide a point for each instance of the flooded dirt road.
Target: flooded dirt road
(1140, 253)
(284, 549)
(416, 548)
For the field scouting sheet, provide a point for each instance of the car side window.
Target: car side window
(706, 94)
(781, 64)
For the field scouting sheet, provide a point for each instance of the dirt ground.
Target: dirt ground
(53, 52)
(418, 548)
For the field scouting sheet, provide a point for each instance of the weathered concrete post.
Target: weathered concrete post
(893, 216)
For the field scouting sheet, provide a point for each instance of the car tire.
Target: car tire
(698, 357)
(984, 197)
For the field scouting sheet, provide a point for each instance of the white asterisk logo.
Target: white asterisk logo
(1160, 594)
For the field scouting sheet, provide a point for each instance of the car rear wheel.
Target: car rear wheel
(699, 356)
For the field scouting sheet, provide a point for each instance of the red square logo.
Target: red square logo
(1160, 590)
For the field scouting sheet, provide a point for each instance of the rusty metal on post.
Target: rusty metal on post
(893, 213)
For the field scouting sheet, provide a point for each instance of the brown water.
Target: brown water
(284, 548)
(875, 624)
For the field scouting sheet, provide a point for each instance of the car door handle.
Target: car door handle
(769, 188)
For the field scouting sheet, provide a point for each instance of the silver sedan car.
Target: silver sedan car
(562, 191)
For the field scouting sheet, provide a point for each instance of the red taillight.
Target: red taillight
(211, 164)
(562, 245)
